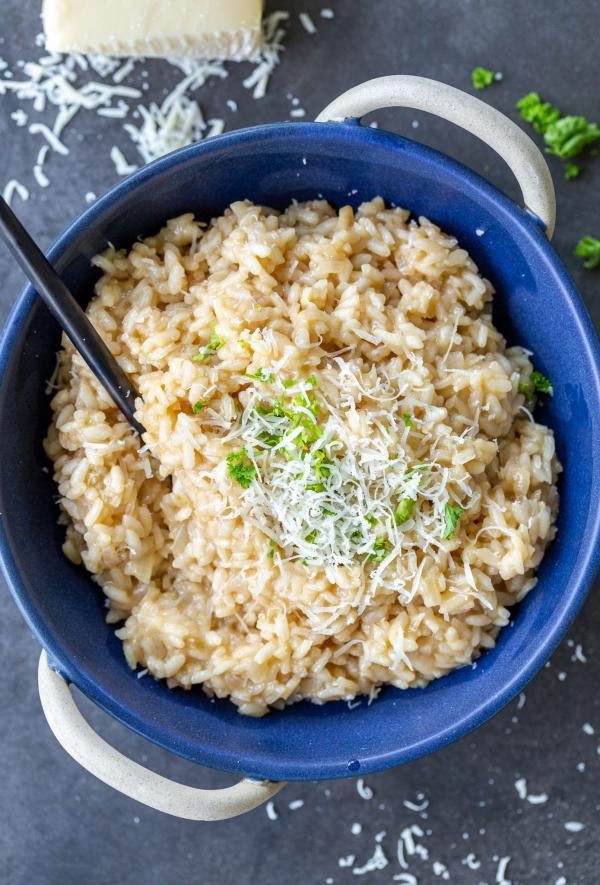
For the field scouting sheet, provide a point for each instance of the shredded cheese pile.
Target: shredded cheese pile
(334, 497)
(56, 88)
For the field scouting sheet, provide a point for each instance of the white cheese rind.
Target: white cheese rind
(227, 29)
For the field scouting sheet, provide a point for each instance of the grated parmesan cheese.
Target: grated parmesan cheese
(14, 187)
(270, 810)
(64, 86)
(378, 861)
(501, 871)
(307, 23)
(122, 167)
(363, 791)
(335, 502)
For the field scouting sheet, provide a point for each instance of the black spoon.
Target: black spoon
(69, 314)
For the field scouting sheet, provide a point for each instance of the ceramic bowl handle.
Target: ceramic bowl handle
(133, 780)
(505, 137)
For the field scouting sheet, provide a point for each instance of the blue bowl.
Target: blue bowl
(536, 305)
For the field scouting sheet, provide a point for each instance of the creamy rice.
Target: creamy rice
(395, 497)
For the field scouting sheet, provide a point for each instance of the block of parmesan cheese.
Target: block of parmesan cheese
(227, 29)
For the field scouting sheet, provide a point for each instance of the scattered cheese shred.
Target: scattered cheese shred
(66, 85)
(14, 187)
(307, 23)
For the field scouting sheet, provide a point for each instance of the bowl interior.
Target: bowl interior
(536, 306)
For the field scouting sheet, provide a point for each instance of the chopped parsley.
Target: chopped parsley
(588, 248)
(572, 170)
(381, 548)
(241, 468)
(481, 78)
(537, 383)
(540, 382)
(404, 510)
(311, 537)
(408, 421)
(272, 549)
(215, 342)
(569, 136)
(198, 406)
(541, 114)
(312, 380)
(452, 516)
(565, 137)
(262, 375)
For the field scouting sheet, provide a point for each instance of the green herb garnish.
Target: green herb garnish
(270, 439)
(241, 468)
(536, 383)
(482, 77)
(262, 375)
(541, 114)
(312, 380)
(404, 510)
(565, 137)
(408, 421)
(571, 170)
(451, 517)
(540, 382)
(311, 537)
(198, 406)
(272, 549)
(588, 248)
(381, 547)
(215, 342)
(569, 136)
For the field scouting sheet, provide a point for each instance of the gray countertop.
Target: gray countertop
(62, 827)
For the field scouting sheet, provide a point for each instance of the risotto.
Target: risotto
(341, 484)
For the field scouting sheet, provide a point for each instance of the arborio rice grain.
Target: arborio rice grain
(416, 394)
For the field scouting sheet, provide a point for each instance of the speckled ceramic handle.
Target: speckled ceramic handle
(505, 137)
(133, 780)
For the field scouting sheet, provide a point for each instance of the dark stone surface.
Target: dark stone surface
(62, 827)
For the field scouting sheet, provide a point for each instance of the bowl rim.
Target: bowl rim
(581, 578)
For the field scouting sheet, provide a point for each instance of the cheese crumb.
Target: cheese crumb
(307, 23)
(271, 813)
(122, 167)
(363, 791)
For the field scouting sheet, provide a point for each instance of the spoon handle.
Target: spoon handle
(69, 314)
